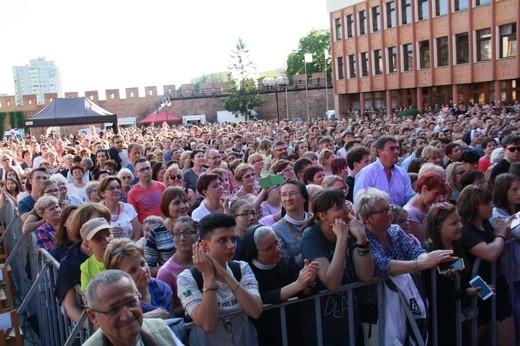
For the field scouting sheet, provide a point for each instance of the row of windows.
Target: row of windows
(506, 47)
(422, 12)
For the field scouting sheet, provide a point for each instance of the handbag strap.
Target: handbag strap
(409, 316)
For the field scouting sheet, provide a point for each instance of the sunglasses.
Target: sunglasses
(178, 177)
(513, 149)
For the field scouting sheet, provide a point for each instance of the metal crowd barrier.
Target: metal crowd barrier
(36, 286)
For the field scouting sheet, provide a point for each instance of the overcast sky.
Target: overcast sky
(112, 44)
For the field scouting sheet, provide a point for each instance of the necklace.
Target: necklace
(118, 213)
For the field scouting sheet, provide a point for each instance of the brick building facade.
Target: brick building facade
(400, 53)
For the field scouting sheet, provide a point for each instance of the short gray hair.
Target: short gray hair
(44, 202)
(123, 171)
(260, 233)
(367, 198)
(58, 178)
(91, 186)
(105, 278)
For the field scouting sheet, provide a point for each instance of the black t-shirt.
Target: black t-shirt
(69, 273)
(499, 168)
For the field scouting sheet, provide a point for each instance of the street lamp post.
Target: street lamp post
(307, 58)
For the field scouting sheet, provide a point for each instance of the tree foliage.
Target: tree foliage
(242, 91)
(315, 42)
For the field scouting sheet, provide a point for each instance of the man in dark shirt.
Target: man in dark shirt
(511, 145)
(357, 158)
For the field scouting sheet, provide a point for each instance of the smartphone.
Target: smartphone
(455, 265)
(271, 180)
(485, 291)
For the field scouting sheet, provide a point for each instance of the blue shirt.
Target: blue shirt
(399, 186)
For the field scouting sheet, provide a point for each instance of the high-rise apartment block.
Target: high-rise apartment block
(400, 53)
(37, 78)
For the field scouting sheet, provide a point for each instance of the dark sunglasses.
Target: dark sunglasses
(513, 149)
(178, 176)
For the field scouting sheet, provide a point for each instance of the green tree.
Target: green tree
(241, 92)
(316, 42)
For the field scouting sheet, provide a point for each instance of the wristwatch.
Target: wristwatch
(363, 246)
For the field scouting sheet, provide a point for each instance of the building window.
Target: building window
(422, 10)
(460, 5)
(392, 59)
(441, 7)
(352, 66)
(482, 2)
(424, 54)
(378, 62)
(362, 22)
(442, 51)
(376, 19)
(390, 14)
(364, 64)
(350, 25)
(338, 31)
(339, 68)
(483, 44)
(462, 48)
(407, 57)
(507, 40)
(406, 11)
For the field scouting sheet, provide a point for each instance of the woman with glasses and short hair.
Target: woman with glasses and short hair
(393, 252)
(126, 176)
(278, 280)
(245, 216)
(123, 215)
(184, 236)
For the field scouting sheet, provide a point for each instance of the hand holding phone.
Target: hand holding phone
(485, 291)
(443, 268)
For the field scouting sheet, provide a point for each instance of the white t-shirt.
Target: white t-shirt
(124, 220)
(199, 212)
(190, 296)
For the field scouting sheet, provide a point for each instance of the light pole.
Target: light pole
(326, 54)
(281, 82)
(307, 58)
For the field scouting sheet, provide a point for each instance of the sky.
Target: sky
(113, 44)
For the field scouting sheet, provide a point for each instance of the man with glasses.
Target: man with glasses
(385, 175)
(146, 194)
(113, 307)
(511, 145)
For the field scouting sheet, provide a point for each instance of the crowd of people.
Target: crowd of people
(212, 219)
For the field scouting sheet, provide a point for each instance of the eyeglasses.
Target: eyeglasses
(382, 212)
(247, 176)
(460, 172)
(259, 160)
(248, 214)
(272, 247)
(126, 177)
(215, 158)
(178, 177)
(51, 191)
(112, 188)
(513, 149)
(144, 169)
(115, 310)
(185, 234)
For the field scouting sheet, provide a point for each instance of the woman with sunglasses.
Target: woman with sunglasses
(184, 236)
(155, 296)
(123, 215)
(160, 245)
(278, 280)
(454, 172)
(394, 254)
(126, 176)
(173, 177)
(483, 241)
(443, 232)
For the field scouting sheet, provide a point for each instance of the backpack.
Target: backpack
(233, 265)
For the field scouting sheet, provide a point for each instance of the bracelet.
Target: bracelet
(364, 246)
(363, 253)
(415, 266)
(236, 288)
(206, 289)
(500, 236)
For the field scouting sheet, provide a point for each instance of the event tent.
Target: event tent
(161, 117)
(71, 112)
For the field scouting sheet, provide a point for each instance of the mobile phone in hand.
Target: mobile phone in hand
(455, 265)
(485, 291)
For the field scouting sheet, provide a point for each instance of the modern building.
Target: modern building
(38, 78)
(401, 53)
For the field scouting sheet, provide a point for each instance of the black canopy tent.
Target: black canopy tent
(70, 112)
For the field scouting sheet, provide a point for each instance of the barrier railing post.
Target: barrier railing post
(474, 321)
